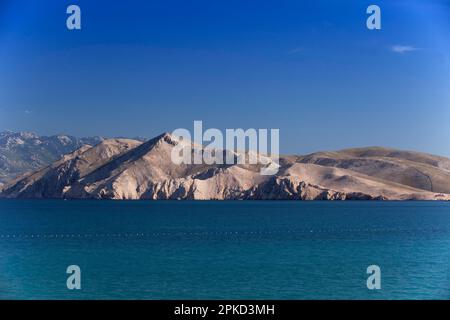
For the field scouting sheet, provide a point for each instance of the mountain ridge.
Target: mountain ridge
(132, 169)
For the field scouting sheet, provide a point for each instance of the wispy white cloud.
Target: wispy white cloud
(402, 49)
(296, 50)
(27, 111)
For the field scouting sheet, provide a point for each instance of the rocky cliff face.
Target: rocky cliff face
(130, 169)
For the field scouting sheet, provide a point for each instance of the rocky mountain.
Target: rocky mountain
(131, 169)
(22, 152)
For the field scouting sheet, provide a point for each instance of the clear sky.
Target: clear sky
(310, 68)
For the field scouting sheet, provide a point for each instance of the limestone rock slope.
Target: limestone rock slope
(53, 180)
(414, 169)
(131, 169)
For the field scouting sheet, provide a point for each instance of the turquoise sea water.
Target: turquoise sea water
(224, 250)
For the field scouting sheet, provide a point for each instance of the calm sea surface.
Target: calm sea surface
(230, 250)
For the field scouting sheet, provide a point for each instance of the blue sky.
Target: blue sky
(310, 68)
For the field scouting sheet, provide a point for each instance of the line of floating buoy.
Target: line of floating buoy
(210, 233)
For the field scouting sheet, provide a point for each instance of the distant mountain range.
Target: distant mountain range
(132, 169)
(22, 152)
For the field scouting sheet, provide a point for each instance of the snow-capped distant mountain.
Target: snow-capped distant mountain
(21, 152)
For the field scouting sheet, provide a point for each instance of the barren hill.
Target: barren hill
(130, 169)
